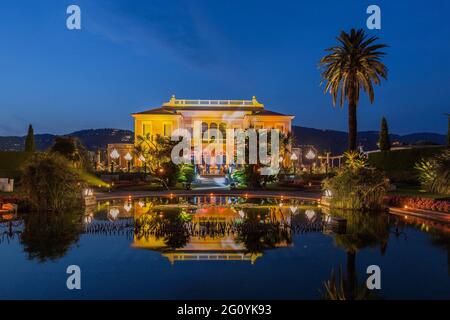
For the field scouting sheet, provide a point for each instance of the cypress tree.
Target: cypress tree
(29, 140)
(383, 142)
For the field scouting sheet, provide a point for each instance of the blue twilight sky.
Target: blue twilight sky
(132, 55)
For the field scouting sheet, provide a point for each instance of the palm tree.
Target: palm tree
(351, 65)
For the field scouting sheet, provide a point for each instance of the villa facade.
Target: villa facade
(211, 114)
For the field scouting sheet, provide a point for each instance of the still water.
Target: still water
(221, 248)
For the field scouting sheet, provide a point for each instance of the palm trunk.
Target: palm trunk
(352, 124)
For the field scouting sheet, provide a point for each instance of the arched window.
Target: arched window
(213, 128)
(223, 130)
(204, 129)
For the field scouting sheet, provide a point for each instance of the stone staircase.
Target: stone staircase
(210, 182)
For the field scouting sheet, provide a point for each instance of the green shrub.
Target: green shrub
(250, 177)
(434, 173)
(186, 173)
(357, 189)
(50, 183)
(11, 162)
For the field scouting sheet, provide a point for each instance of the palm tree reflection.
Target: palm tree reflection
(363, 230)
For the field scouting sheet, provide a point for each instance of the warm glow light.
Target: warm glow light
(128, 157)
(294, 157)
(310, 214)
(127, 207)
(310, 155)
(114, 213)
(142, 158)
(114, 154)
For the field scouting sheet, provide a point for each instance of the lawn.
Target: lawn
(414, 191)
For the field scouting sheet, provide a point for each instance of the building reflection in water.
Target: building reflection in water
(211, 227)
(215, 231)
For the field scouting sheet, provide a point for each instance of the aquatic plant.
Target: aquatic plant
(357, 189)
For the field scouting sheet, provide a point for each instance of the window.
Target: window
(204, 129)
(167, 129)
(146, 129)
(213, 131)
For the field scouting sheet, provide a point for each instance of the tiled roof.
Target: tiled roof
(157, 111)
(268, 113)
(174, 111)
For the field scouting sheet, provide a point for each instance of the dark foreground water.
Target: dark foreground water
(220, 247)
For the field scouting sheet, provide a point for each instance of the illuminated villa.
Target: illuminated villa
(212, 114)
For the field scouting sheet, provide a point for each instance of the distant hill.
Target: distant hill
(92, 139)
(324, 140)
(336, 141)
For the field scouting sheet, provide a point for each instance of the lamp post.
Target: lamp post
(114, 156)
(128, 157)
(293, 159)
(310, 156)
(143, 160)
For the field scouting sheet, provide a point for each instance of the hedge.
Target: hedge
(11, 162)
(399, 164)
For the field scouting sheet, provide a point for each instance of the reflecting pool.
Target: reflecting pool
(209, 247)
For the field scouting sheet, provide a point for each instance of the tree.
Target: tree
(50, 183)
(29, 140)
(74, 151)
(384, 142)
(351, 65)
(157, 153)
